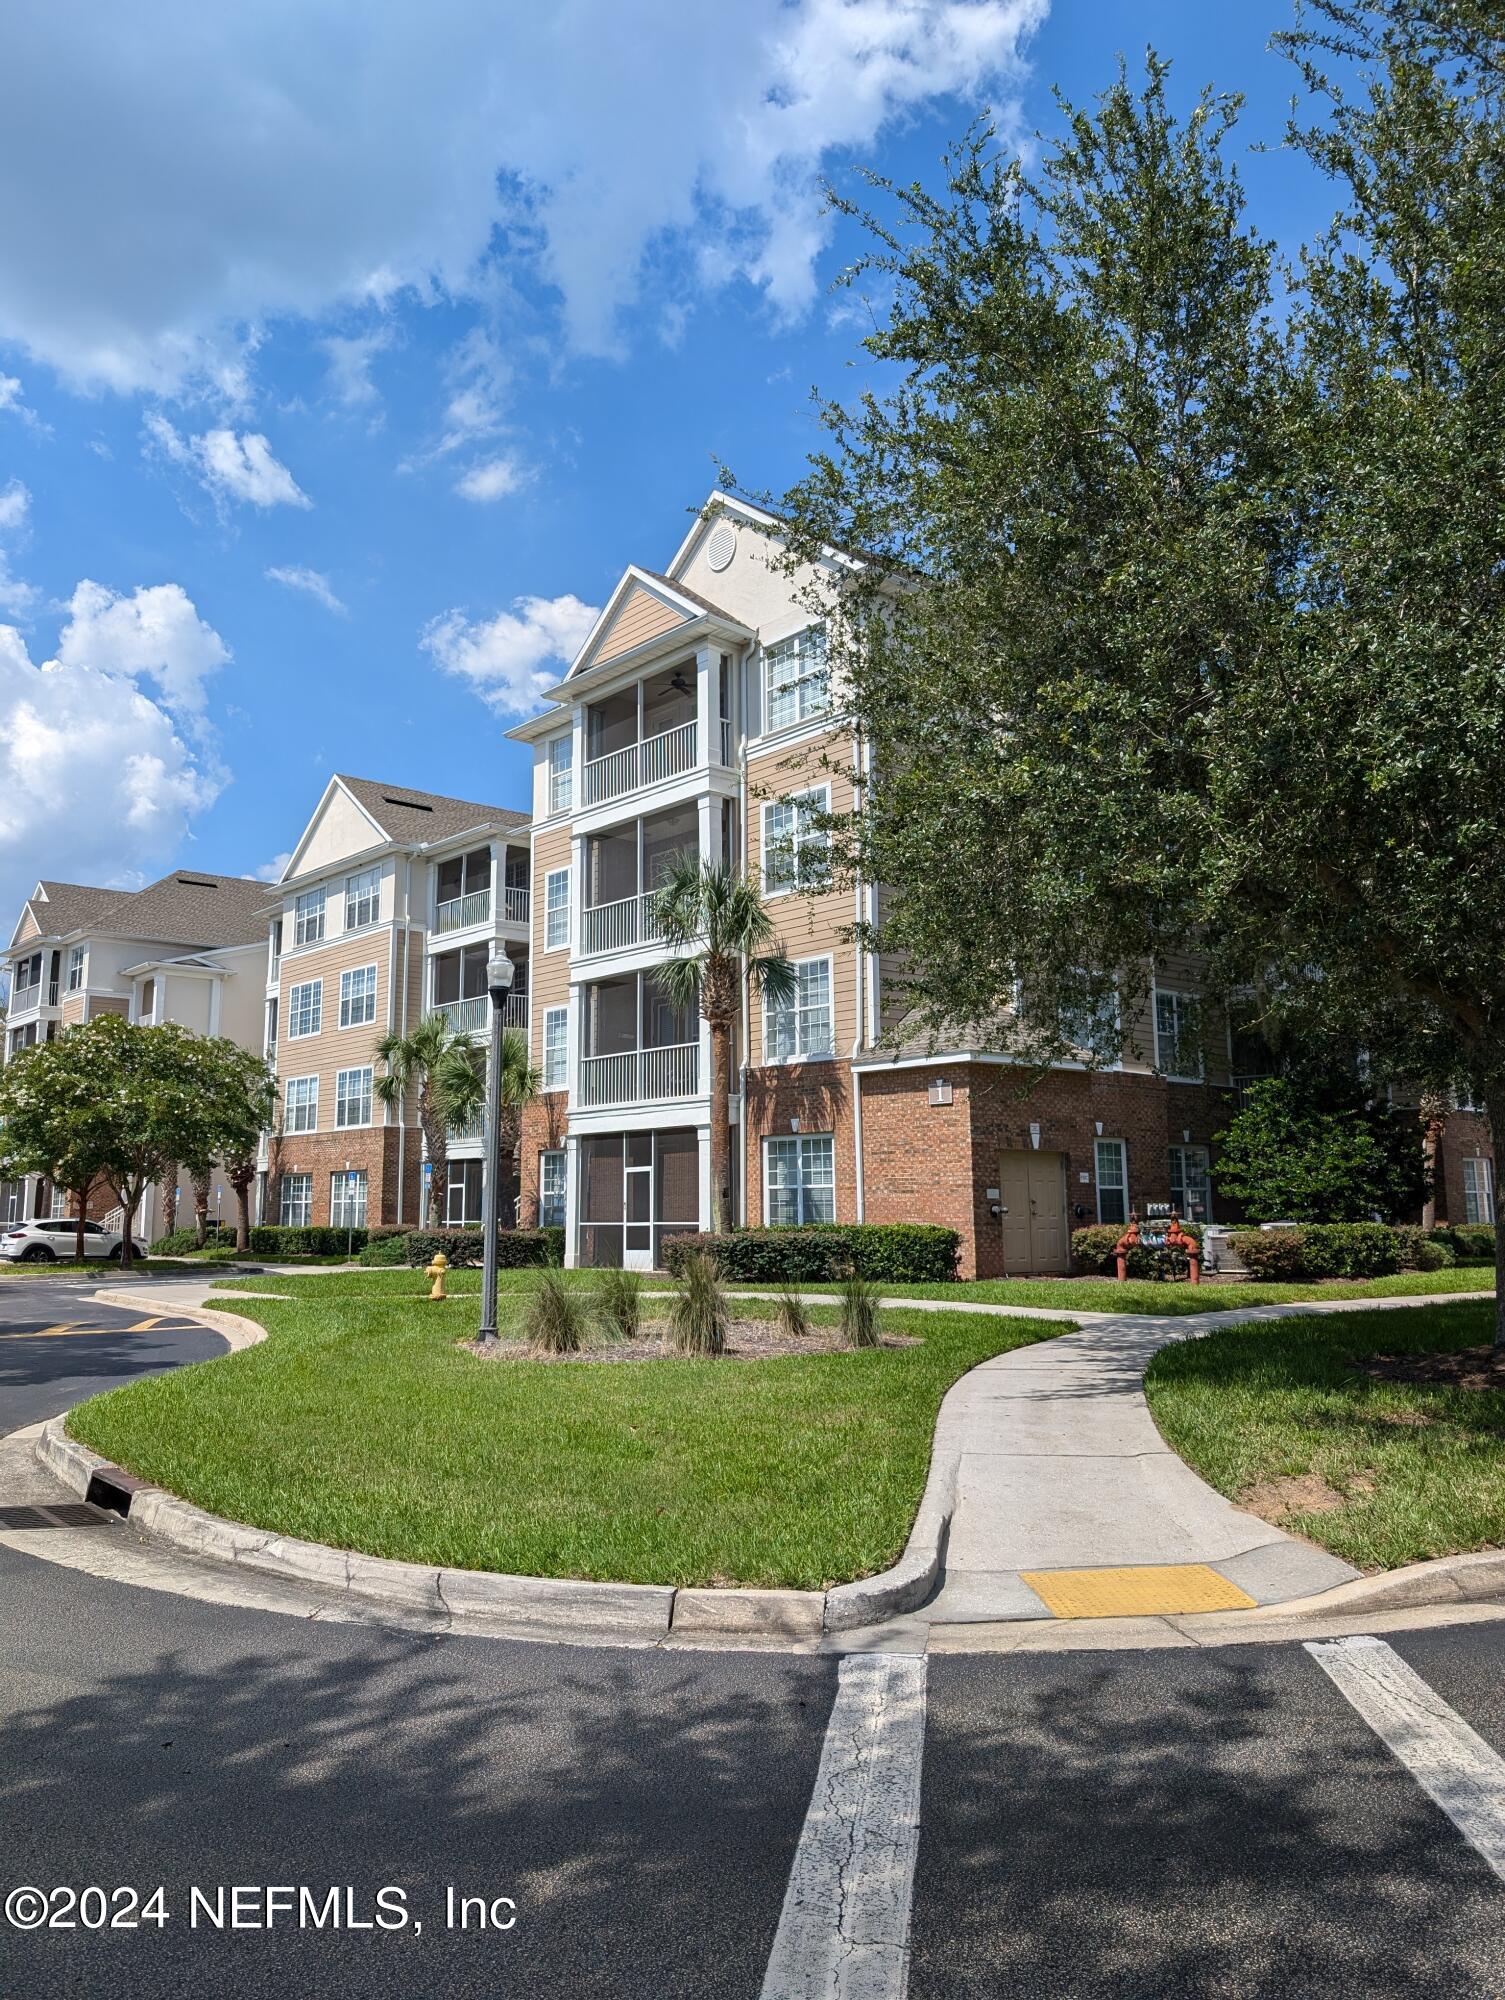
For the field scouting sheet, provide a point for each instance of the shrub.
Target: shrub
(1092, 1249)
(385, 1247)
(217, 1253)
(1350, 1249)
(177, 1243)
(273, 1240)
(1318, 1150)
(1470, 1242)
(554, 1321)
(619, 1303)
(516, 1249)
(794, 1319)
(1420, 1249)
(697, 1312)
(895, 1253)
(859, 1311)
(1271, 1254)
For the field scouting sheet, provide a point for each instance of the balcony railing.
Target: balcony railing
(641, 1076)
(515, 905)
(640, 764)
(24, 998)
(473, 1017)
(615, 926)
(458, 913)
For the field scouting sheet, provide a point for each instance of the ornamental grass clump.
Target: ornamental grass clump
(555, 1318)
(619, 1304)
(859, 1311)
(794, 1319)
(697, 1311)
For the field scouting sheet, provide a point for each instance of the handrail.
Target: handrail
(647, 762)
(641, 1076)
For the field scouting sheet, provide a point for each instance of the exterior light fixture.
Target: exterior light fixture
(1034, 1137)
(499, 976)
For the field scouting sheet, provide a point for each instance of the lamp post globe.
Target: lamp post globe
(499, 976)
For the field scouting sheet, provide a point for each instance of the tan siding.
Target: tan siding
(73, 1010)
(808, 926)
(30, 928)
(642, 617)
(334, 1048)
(548, 971)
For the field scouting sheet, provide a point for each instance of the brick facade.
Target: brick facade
(1466, 1135)
(371, 1148)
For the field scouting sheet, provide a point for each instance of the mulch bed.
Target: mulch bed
(1453, 1368)
(747, 1340)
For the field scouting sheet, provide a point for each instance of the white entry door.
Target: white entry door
(637, 1245)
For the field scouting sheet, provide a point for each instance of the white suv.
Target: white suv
(44, 1241)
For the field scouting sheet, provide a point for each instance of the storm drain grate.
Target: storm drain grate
(70, 1514)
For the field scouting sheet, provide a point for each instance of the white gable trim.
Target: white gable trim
(383, 838)
(632, 578)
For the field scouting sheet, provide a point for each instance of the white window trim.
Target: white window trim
(771, 1012)
(308, 944)
(1183, 1148)
(78, 961)
(552, 875)
(1182, 999)
(553, 1153)
(308, 1181)
(1483, 1190)
(549, 1014)
(374, 919)
(796, 887)
(340, 1178)
(306, 1034)
(552, 777)
(350, 971)
(799, 1141)
(1097, 1183)
(368, 1092)
(289, 1128)
(765, 661)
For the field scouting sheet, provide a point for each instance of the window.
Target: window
(347, 1199)
(302, 1104)
(1112, 1181)
(1191, 1183)
(305, 1009)
(556, 921)
(147, 1005)
(795, 681)
(561, 781)
(802, 1029)
(794, 846)
(556, 1048)
(276, 944)
(358, 996)
(551, 1190)
(362, 899)
(800, 1181)
(462, 1192)
(1091, 1022)
(75, 968)
(1178, 1050)
(270, 1045)
(1478, 1190)
(352, 1097)
(308, 917)
(297, 1201)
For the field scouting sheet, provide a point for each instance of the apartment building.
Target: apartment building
(388, 910)
(189, 948)
(699, 717)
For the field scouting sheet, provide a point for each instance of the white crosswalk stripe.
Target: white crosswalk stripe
(1450, 1761)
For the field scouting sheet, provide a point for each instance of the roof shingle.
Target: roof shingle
(403, 814)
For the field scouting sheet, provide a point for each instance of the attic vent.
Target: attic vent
(195, 882)
(413, 805)
(722, 546)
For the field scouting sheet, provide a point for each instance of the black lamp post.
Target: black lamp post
(499, 973)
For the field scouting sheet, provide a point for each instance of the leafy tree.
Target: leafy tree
(50, 1114)
(447, 1073)
(1291, 1155)
(1180, 623)
(716, 919)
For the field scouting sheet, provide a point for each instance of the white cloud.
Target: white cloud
(313, 582)
(97, 782)
(329, 154)
(504, 657)
(155, 634)
(271, 871)
(350, 359)
(16, 597)
(230, 466)
(10, 399)
(492, 479)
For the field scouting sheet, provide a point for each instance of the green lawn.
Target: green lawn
(104, 1268)
(1411, 1471)
(360, 1423)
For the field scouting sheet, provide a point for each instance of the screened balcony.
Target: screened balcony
(463, 890)
(640, 736)
(624, 870)
(638, 1048)
(457, 990)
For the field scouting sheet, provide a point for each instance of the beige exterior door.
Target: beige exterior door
(1032, 1193)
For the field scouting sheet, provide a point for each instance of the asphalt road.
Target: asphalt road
(57, 1346)
(1149, 1824)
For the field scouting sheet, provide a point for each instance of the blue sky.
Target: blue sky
(348, 352)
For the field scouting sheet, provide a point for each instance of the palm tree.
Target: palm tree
(521, 1083)
(716, 917)
(448, 1073)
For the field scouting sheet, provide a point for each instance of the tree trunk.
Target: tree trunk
(721, 1125)
(200, 1209)
(170, 1199)
(1494, 1105)
(437, 1141)
(1434, 1114)
(241, 1182)
(123, 1194)
(81, 1196)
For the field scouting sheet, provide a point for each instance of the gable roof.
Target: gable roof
(186, 907)
(405, 815)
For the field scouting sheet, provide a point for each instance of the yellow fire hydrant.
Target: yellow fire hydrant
(436, 1271)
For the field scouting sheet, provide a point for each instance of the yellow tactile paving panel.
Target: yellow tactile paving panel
(1140, 1592)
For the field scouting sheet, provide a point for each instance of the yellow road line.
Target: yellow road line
(1142, 1591)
